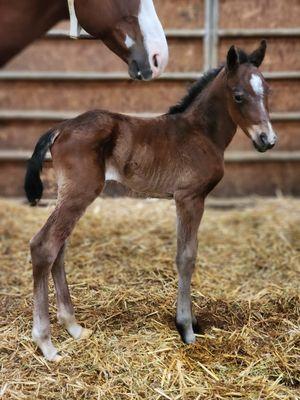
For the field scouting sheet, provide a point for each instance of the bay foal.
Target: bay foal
(177, 155)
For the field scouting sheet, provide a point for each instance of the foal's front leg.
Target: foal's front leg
(189, 214)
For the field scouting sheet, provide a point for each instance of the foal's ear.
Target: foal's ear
(232, 59)
(258, 55)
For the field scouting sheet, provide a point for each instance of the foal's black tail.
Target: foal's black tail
(33, 185)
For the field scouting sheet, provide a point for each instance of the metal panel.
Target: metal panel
(211, 34)
(113, 76)
(197, 33)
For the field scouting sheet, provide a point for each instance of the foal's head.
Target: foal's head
(131, 29)
(247, 96)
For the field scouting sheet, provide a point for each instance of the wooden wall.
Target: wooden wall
(57, 77)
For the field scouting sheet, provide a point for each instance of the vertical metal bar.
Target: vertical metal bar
(206, 47)
(211, 33)
(215, 33)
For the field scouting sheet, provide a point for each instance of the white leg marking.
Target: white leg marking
(44, 343)
(69, 322)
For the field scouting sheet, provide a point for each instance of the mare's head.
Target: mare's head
(247, 96)
(131, 29)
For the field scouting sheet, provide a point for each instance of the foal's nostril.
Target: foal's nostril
(264, 138)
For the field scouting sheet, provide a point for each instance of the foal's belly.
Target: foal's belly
(147, 183)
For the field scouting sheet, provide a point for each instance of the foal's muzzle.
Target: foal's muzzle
(262, 143)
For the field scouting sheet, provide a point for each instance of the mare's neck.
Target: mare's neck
(210, 113)
(23, 22)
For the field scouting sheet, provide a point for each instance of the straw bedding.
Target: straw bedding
(123, 284)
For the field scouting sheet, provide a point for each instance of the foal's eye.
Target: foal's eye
(238, 98)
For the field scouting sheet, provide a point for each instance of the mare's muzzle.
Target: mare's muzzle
(139, 72)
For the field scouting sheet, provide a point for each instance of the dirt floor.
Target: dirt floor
(123, 284)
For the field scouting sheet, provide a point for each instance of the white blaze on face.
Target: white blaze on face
(154, 37)
(266, 127)
(257, 85)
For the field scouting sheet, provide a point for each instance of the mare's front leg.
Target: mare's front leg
(189, 214)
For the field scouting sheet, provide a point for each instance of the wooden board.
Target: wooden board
(283, 54)
(241, 179)
(259, 14)
(62, 55)
(125, 96)
(24, 134)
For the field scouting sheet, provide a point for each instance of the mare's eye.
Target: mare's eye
(238, 98)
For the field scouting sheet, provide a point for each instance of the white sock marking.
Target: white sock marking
(69, 322)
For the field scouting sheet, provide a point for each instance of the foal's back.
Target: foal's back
(155, 156)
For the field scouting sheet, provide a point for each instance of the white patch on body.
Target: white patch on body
(154, 37)
(112, 174)
(257, 84)
(129, 42)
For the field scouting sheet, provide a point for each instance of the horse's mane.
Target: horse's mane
(201, 83)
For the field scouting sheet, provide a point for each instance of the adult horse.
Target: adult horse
(130, 28)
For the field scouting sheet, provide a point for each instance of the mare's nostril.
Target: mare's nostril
(155, 60)
(264, 139)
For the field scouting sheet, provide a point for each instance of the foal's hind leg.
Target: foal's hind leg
(78, 189)
(189, 214)
(43, 255)
(65, 309)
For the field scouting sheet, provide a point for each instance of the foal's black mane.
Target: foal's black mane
(201, 83)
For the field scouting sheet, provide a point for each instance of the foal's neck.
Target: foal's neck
(210, 113)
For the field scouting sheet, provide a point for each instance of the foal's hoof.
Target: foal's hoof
(57, 358)
(186, 333)
(85, 333)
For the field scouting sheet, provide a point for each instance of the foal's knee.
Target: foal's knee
(186, 258)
